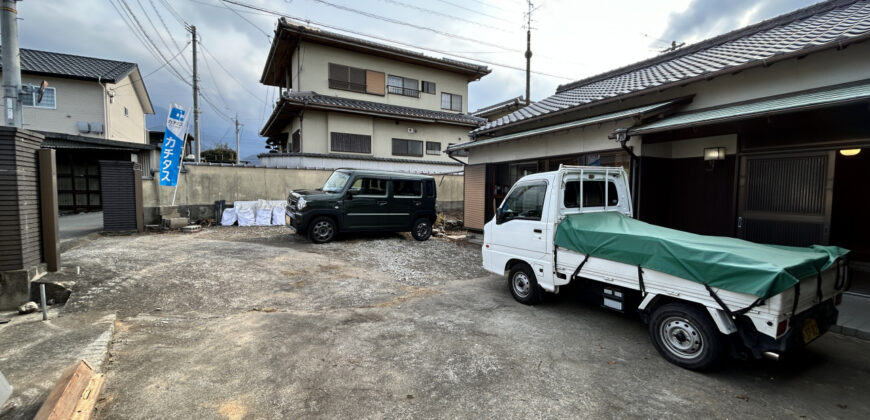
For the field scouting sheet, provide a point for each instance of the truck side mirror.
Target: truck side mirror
(352, 192)
(499, 216)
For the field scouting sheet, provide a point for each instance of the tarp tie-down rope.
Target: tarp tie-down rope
(579, 267)
(841, 279)
(732, 315)
(797, 296)
(819, 295)
(640, 281)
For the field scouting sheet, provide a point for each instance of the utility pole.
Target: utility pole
(528, 50)
(238, 126)
(192, 30)
(11, 63)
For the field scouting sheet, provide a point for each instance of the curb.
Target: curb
(851, 332)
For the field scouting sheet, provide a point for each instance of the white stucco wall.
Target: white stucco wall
(314, 76)
(76, 101)
(130, 127)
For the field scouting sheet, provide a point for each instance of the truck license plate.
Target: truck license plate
(810, 330)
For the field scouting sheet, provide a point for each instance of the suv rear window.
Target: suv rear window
(407, 188)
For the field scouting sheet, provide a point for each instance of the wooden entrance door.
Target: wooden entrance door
(786, 199)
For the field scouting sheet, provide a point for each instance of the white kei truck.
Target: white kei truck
(702, 296)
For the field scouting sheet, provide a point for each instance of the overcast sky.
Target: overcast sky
(570, 40)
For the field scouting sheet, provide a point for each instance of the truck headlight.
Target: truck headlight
(301, 203)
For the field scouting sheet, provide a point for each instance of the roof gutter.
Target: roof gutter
(757, 63)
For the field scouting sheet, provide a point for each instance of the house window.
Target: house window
(347, 78)
(451, 102)
(403, 86)
(460, 153)
(428, 87)
(407, 147)
(49, 99)
(346, 142)
(433, 148)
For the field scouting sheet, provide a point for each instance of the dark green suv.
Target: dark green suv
(364, 201)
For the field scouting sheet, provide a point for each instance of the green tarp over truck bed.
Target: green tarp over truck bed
(725, 263)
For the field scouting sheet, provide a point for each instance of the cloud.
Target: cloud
(703, 19)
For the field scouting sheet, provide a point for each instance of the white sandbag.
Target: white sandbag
(264, 217)
(229, 217)
(245, 212)
(278, 216)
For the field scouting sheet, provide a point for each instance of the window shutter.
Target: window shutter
(357, 79)
(375, 82)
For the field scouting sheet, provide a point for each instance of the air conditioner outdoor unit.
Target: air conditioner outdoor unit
(96, 128)
(83, 126)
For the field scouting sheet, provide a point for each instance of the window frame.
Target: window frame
(424, 85)
(347, 85)
(33, 99)
(429, 151)
(354, 136)
(537, 182)
(403, 90)
(408, 141)
(581, 199)
(394, 188)
(387, 186)
(453, 99)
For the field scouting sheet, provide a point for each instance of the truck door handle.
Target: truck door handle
(538, 231)
(382, 203)
(417, 203)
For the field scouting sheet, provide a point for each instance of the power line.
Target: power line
(459, 6)
(151, 42)
(351, 31)
(154, 27)
(217, 89)
(166, 27)
(228, 72)
(437, 13)
(157, 69)
(412, 25)
(269, 37)
(174, 13)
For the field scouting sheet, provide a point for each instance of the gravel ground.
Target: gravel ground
(258, 323)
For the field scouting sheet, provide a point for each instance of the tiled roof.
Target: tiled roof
(313, 100)
(518, 101)
(822, 25)
(73, 66)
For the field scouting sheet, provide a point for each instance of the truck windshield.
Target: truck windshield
(336, 182)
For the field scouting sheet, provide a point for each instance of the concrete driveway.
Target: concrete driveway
(77, 225)
(258, 323)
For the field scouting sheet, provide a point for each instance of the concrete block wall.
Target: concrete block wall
(199, 186)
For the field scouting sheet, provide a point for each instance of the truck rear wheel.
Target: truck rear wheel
(523, 285)
(686, 336)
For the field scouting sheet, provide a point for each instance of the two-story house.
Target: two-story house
(349, 102)
(93, 109)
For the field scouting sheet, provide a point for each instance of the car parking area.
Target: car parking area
(259, 323)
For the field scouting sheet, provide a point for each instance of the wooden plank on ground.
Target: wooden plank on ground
(63, 398)
(85, 408)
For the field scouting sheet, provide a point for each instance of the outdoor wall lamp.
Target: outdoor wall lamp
(711, 155)
(714, 153)
(850, 152)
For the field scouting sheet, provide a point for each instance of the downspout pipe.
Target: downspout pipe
(622, 137)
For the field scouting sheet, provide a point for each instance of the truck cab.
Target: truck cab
(525, 223)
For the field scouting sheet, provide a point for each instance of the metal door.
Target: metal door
(786, 199)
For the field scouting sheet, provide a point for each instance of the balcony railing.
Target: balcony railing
(345, 85)
(398, 90)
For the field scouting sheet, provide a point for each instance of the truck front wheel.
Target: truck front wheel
(523, 285)
(686, 336)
